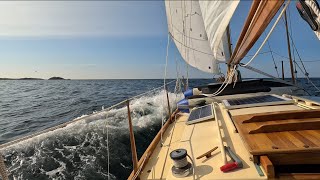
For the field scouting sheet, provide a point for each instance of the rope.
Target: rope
(315, 9)
(3, 169)
(304, 71)
(274, 62)
(293, 54)
(164, 78)
(271, 30)
(165, 68)
(227, 81)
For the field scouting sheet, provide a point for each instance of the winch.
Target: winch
(181, 167)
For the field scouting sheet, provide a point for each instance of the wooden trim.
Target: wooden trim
(257, 24)
(132, 141)
(287, 126)
(282, 115)
(252, 12)
(147, 153)
(295, 158)
(305, 176)
(267, 166)
(286, 151)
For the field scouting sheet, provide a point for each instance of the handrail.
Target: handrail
(146, 155)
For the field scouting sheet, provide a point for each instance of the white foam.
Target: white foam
(146, 111)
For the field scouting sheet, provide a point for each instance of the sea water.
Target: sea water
(80, 150)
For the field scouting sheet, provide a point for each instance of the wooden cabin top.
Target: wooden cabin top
(260, 136)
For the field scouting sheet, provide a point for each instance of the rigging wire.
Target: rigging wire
(188, 53)
(271, 30)
(308, 78)
(274, 62)
(164, 79)
(270, 76)
(303, 69)
(293, 54)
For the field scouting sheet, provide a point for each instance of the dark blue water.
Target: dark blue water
(80, 150)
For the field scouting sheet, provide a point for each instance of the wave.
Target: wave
(80, 149)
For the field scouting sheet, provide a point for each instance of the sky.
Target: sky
(119, 40)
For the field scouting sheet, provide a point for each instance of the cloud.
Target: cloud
(81, 19)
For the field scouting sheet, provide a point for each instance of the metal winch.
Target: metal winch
(181, 167)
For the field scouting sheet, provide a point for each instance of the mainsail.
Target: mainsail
(200, 36)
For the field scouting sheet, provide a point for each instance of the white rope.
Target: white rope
(227, 81)
(164, 82)
(267, 37)
(165, 68)
(315, 9)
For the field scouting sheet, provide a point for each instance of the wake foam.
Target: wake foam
(79, 150)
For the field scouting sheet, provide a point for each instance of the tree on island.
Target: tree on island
(56, 78)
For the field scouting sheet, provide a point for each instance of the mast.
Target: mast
(289, 48)
(229, 40)
(282, 70)
(229, 48)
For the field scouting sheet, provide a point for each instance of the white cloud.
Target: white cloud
(82, 18)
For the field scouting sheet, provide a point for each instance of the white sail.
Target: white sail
(216, 17)
(185, 24)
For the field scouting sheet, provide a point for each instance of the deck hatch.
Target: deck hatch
(263, 100)
(199, 114)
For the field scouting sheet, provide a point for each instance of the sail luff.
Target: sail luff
(257, 24)
(185, 25)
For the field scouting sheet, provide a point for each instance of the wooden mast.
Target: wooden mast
(260, 15)
(289, 48)
(282, 70)
(229, 48)
(229, 40)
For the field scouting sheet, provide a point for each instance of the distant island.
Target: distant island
(56, 78)
(21, 79)
(52, 78)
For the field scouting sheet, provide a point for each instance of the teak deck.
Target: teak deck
(280, 132)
